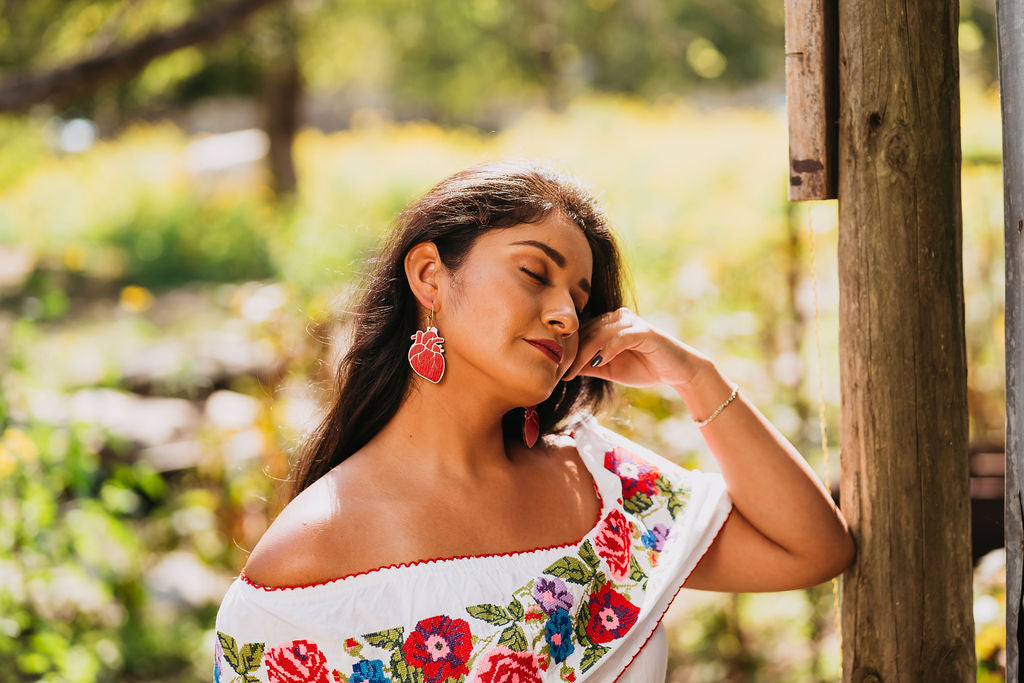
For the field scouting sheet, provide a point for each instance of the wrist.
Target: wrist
(706, 391)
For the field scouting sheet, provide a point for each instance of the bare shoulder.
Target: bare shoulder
(309, 542)
(570, 476)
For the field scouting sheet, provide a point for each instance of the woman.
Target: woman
(432, 536)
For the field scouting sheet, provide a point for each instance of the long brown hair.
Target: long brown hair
(374, 375)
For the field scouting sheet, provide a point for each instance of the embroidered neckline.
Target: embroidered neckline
(454, 558)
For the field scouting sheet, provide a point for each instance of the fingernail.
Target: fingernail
(595, 361)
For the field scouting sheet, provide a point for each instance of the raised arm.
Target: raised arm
(784, 531)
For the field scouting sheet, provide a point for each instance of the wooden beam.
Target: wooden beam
(907, 600)
(812, 82)
(1010, 27)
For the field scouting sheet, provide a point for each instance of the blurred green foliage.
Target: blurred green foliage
(452, 61)
(117, 236)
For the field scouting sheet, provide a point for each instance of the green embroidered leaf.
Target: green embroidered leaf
(663, 484)
(230, 648)
(566, 671)
(492, 614)
(515, 610)
(402, 672)
(582, 617)
(386, 640)
(588, 555)
(591, 655)
(249, 678)
(599, 580)
(636, 572)
(677, 503)
(637, 503)
(571, 569)
(339, 677)
(513, 638)
(250, 657)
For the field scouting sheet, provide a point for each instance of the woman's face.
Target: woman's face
(527, 282)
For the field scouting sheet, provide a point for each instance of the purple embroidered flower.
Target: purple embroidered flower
(654, 538)
(558, 633)
(218, 654)
(551, 594)
(368, 671)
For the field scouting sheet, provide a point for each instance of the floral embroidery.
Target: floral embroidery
(611, 615)
(299, 661)
(368, 671)
(654, 538)
(613, 543)
(504, 665)
(637, 475)
(564, 621)
(218, 654)
(440, 646)
(552, 594)
(558, 633)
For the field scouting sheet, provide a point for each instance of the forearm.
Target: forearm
(769, 482)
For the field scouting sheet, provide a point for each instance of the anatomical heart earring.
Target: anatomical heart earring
(425, 354)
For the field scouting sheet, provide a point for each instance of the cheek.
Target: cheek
(572, 347)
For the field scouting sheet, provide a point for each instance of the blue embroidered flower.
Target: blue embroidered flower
(551, 594)
(218, 654)
(655, 538)
(368, 671)
(558, 633)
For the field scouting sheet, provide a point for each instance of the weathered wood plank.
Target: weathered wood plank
(812, 98)
(907, 600)
(1010, 26)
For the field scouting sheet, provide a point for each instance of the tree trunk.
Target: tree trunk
(907, 600)
(1011, 65)
(282, 94)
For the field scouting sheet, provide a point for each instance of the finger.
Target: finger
(592, 343)
(625, 339)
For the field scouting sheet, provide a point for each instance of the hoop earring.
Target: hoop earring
(425, 354)
(531, 426)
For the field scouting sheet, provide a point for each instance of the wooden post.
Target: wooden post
(907, 600)
(1010, 27)
(812, 83)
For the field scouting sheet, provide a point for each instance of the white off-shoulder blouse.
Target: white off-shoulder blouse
(586, 610)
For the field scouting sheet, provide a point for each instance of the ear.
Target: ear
(423, 269)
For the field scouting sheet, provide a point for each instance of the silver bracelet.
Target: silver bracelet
(701, 423)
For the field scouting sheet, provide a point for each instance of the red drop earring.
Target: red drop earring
(531, 426)
(425, 355)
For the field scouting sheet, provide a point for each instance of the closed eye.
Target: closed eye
(544, 281)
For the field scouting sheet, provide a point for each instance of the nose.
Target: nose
(563, 319)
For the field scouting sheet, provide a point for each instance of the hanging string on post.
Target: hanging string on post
(821, 417)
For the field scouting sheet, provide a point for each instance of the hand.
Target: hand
(633, 352)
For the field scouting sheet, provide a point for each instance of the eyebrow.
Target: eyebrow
(555, 256)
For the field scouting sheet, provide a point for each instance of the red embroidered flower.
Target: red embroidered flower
(502, 665)
(611, 615)
(613, 542)
(637, 475)
(299, 661)
(440, 646)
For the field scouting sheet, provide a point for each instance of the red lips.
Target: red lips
(548, 346)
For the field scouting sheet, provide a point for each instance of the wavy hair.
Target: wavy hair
(374, 375)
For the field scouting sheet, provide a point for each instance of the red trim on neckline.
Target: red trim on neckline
(512, 553)
(681, 586)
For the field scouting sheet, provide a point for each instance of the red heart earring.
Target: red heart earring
(425, 355)
(531, 426)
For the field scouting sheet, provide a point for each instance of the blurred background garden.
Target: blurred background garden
(178, 241)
